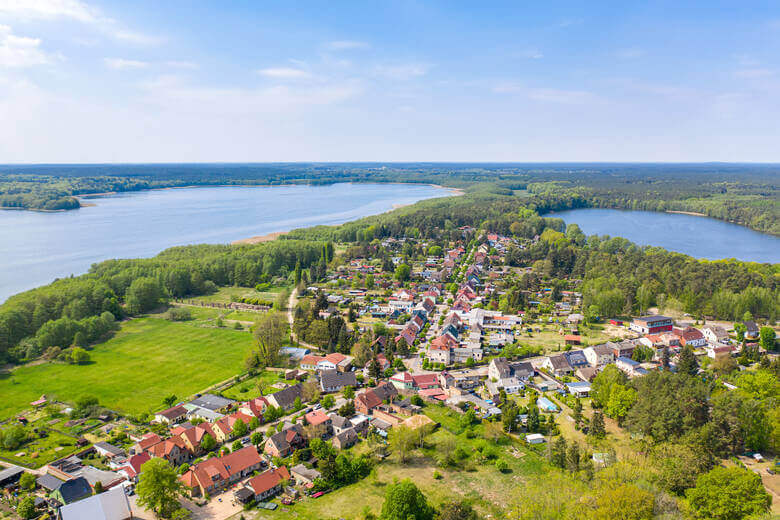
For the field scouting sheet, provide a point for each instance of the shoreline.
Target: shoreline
(259, 238)
(692, 213)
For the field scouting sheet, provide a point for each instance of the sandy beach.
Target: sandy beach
(260, 238)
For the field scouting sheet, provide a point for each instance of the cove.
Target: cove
(700, 237)
(39, 247)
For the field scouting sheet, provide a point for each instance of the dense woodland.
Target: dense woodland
(746, 194)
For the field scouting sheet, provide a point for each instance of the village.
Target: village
(436, 339)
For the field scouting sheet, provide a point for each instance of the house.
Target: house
(345, 439)
(690, 337)
(576, 359)
(112, 504)
(107, 450)
(72, 491)
(10, 476)
(320, 420)
(719, 349)
(558, 365)
(751, 330)
(283, 443)
(212, 402)
(172, 415)
(339, 423)
(587, 373)
(145, 442)
(268, 483)
(499, 368)
(572, 339)
(402, 380)
(715, 334)
(627, 365)
(579, 388)
(310, 361)
(193, 436)
(404, 407)
(425, 381)
(373, 397)
(651, 324)
(217, 473)
(285, 398)
(333, 380)
(304, 475)
(335, 361)
(599, 355)
(132, 469)
(534, 438)
(623, 349)
(173, 450)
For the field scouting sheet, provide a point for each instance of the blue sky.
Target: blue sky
(184, 81)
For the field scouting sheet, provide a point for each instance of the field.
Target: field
(489, 490)
(226, 294)
(552, 341)
(148, 359)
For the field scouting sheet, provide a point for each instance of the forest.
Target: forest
(740, 193)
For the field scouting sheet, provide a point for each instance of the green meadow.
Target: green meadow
(147, 360)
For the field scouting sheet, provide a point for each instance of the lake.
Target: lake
(39, 247)
(701, 237)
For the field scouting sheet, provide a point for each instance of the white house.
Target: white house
(599, 355)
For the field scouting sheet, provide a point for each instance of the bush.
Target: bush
(178, 314)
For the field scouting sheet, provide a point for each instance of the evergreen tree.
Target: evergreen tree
(687, 363)
(597, 428)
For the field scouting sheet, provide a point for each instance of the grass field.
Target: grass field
(148, 359)
(225, 294)
(247, 389)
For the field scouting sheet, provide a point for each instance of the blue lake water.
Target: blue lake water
(700, 237)
(39, 247)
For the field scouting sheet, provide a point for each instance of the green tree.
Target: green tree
(624, 502)
(557, 454)
(27, 481)
(621, 400)
(26, 508)
(170, 400)
(143, 295)
(208, 443)
(159, 487)
(767, 338)
(79, 356)
(597, 428)
(404, 501)
(687, 363)
(240, 429)
(256, 438)
(403, 272)
(402, 441)
(236, 445)
(728, 494)
(270, 331)
(98, 488)
(348, 392)
(601, 388)
(254, 423)
(370, 282)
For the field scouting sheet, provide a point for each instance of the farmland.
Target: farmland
(148, 359)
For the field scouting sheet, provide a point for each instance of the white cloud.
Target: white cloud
(49, 9)
(401, 72)
(19, 51)
(343, 45)
(73, 10)
(284, 73)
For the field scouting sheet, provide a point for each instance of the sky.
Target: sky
(95, 81)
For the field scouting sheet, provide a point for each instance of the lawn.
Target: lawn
(226, 294)
(247, 389)
(148, 359)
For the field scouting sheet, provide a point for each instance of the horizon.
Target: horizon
(107, 82)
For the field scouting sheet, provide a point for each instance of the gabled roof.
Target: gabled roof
(335, 379)
(212, 402)
(74, 489)
(173, 413)
(110, 505)
(268, 480)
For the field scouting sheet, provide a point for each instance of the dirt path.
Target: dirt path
(291, 303)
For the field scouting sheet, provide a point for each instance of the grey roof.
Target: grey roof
(651, 319)
(336, 379)
(348, 435)
(524, 369)
(308, 473)
(110, 448)
(559, 362)
(74, 489)
(212, 402)
(10, 474)
(111, 505)
(576, 358)
(49, 482)
(286, 396)
(338, 421)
